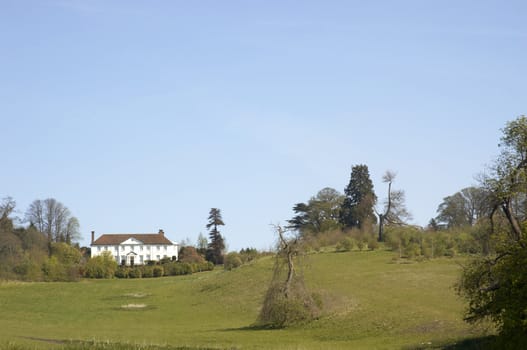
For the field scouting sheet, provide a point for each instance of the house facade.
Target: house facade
(134, 248)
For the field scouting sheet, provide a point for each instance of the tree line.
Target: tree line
(487, 221)
(45, 249)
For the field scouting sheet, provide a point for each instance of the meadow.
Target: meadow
(373, 301)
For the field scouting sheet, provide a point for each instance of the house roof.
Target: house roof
(118, 238)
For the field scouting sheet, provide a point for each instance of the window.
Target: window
(158, 257)
(141, 259)
(141, 248)
(147, 257)
(116, 258)
(132, 247)
(98, 249)
(158, 247)
(165, 248)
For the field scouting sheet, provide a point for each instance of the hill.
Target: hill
(374, 303)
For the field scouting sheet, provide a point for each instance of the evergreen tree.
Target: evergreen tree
(217, 245)
(357, 209)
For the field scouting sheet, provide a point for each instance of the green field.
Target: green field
(374, 302)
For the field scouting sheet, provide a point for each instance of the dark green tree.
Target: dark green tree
(495, 285)
(357, 208)
(216, 245)
(321, 213)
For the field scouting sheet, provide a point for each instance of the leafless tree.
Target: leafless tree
(395, 211)
(54, 220)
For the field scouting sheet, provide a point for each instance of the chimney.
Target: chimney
(92, 236)
(161, 232)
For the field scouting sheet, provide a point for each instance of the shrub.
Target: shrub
(101, 266)
(373, 244)
(158, 271)
(122, 272)
(345, 245)
(136, 272)
(280, 310)
(232, 261)
(360, 245)
(147, 271)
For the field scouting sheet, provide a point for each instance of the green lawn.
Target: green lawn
(374, 303)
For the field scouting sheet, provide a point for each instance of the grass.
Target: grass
(374, 302)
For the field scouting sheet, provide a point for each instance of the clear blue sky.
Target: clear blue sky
(140, 115)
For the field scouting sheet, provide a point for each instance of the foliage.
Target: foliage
(101, 266)
(495, 285)
(463, 208)
(232, 261)
(345, 245)
(189, 254)
(357, 208)
(320, 214)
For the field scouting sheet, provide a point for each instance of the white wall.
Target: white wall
(142, 252)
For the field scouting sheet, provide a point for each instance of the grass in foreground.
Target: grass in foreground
(374, 302)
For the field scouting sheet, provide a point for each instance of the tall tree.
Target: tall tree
(357, 208)
(321, 213)
(53, 219)
(464, 208)
(495, 285)
(216, 245)
(395, 211)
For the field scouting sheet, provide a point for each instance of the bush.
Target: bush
(101, 266)
(147, 271)
(298, 307)
(360, 245)
(136, 272)
(232, 261)
(122, 272)
(345, 245)
(158, 271)
(373, 244)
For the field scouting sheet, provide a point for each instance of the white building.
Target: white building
(135, 248)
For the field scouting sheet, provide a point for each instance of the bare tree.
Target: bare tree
(54, 220)
(287, 301)
(395, 211)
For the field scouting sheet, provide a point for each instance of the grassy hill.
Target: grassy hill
(374, 302)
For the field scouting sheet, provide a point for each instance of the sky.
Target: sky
(143, 115)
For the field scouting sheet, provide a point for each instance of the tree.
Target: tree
(495, 285)
(395, 211)
(320, 214)
(7, 206)
(53, 219)
(216, 246)
(287, 301)
(357, 208)
(464, 208)
(202, 244)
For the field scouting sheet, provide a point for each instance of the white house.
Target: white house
(134, 248)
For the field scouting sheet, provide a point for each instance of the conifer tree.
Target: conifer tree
(357, 209)
(217, 245)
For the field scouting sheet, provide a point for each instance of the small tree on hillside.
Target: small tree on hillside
(287, 301)
(217, 245)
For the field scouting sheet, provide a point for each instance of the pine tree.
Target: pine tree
(217, 245)
(357, 209)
